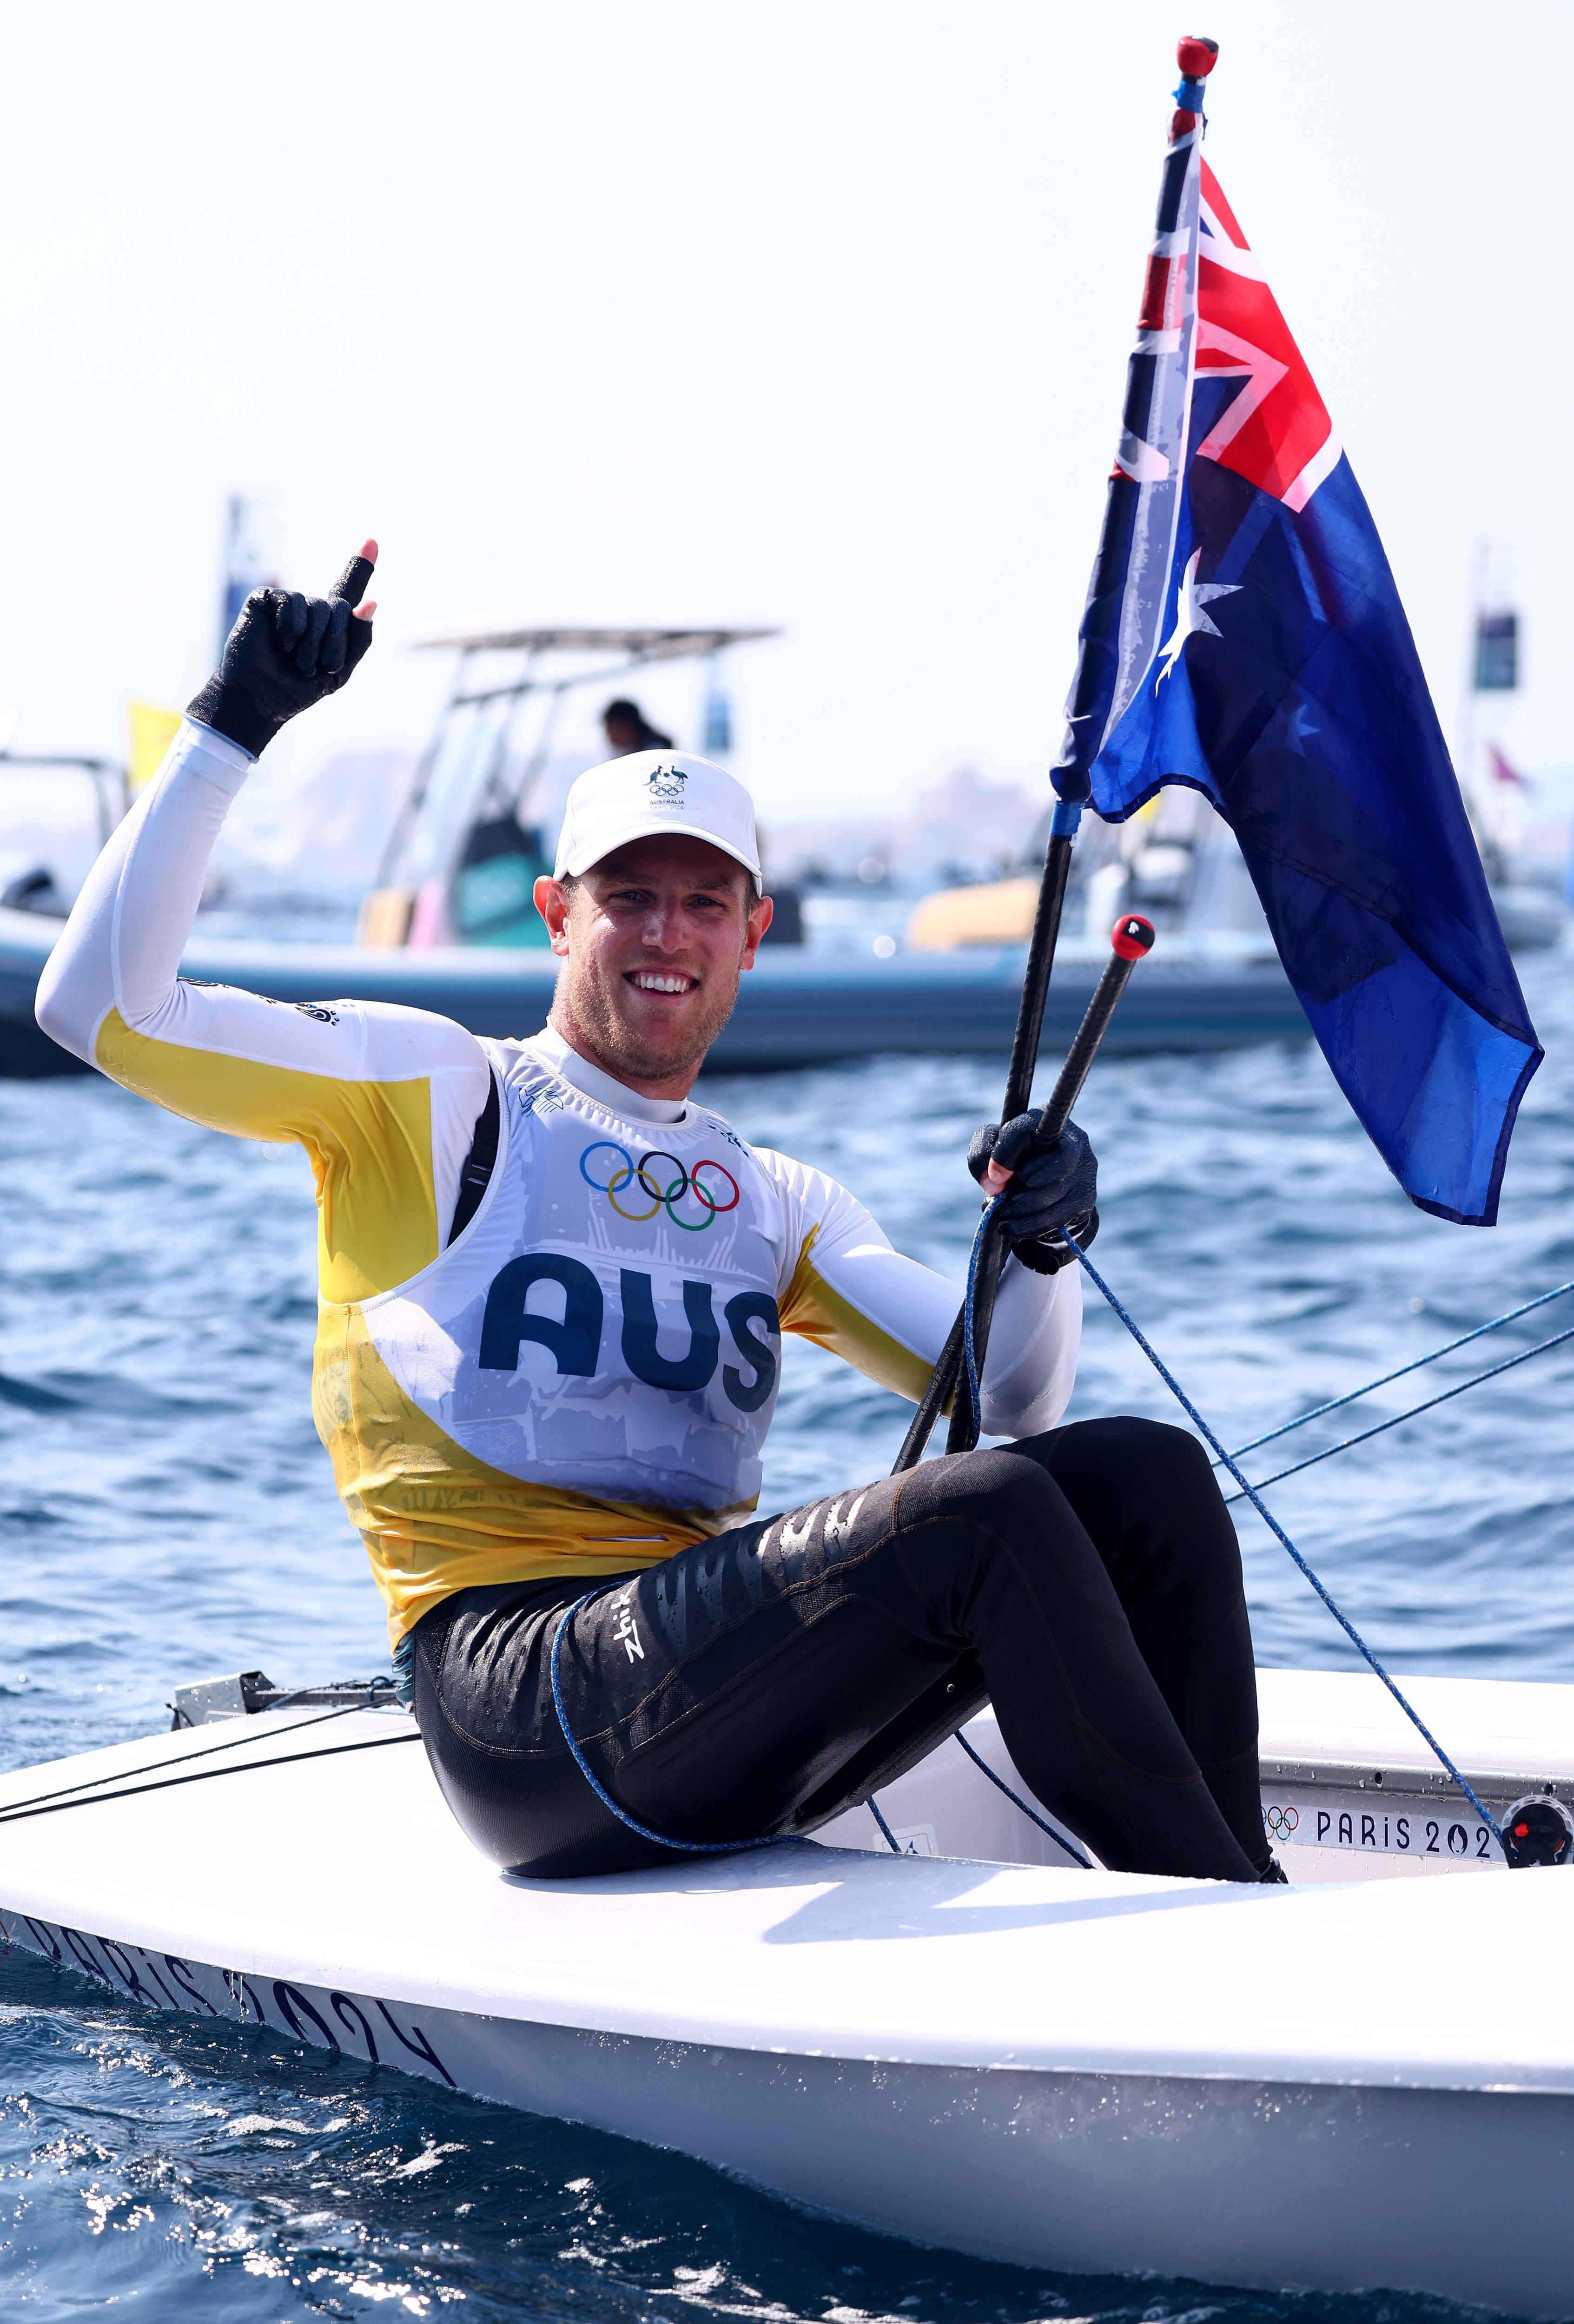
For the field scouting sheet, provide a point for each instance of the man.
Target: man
(627, 729)
(553, 1290)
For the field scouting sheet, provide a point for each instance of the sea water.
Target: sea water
(168, 1514)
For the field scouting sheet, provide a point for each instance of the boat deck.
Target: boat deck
(1067, 2068)
(271, 1846)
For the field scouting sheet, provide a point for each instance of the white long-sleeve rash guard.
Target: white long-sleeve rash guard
(581, 1381)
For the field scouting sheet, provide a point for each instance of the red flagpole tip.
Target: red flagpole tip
(1197, 56)
(1131, 938)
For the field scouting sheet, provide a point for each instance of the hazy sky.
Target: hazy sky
(814, 314)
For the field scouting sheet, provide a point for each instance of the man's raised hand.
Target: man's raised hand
(284, 654)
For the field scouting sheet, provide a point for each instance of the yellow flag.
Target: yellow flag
(152, 731)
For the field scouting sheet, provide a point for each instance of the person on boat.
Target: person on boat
(553, 1291)
(627, 729)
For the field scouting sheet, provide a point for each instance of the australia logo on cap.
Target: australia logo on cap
(668, 784)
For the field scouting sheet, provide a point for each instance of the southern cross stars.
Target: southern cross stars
(1189, 617)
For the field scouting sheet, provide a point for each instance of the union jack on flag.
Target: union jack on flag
(1243, 635)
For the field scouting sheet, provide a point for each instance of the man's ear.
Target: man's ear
(761, 914)
(551, 902)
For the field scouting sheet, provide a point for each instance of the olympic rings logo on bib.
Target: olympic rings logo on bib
(642, 1179)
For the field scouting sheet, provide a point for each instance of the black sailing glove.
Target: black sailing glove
(284, 654)
(1052, 1196)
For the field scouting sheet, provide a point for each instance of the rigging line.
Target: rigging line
(1334, 1403)
(658, 1839)
(157, 1766)
(207, 1775)
(1344, 1444)
(892, 1843)
(1272, 1521)
(985, 1769)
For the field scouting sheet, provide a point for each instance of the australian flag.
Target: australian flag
(1243, 634)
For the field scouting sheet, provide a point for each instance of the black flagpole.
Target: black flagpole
(1131, 940)
(1196, 58)
(1024, 1054)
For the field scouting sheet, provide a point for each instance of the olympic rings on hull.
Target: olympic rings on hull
(643, 1175)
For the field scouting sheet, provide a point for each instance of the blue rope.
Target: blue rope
(892, 1843)
(659, 1839)
(1362, 1436)
(1463, 1341)
(985, 1769)
(1058, 1838)
(969, 1349)
(1227, 1461)
(771, 1840)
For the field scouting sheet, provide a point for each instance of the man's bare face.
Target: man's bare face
(653, 939)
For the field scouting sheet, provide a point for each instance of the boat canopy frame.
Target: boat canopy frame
(108, 776)
(494, 708)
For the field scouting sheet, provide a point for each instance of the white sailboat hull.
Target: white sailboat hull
(1353, 2082)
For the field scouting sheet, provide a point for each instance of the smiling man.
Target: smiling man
(553, 1291)
(655, 901)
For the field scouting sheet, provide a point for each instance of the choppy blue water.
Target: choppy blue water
(168, 1513)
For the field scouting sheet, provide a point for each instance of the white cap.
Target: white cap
(652, 791)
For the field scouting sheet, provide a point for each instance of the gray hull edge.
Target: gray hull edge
(1292, 2186)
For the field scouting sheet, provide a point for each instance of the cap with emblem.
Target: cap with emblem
(651, 791)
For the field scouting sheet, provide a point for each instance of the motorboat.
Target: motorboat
(1365, 2078)
(798, 1007)
(450, 927)
(466, 846)
(1177, 861)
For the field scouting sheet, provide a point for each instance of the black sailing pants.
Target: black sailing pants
(1088, 1582)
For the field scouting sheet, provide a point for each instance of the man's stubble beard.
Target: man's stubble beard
(587, 1005)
